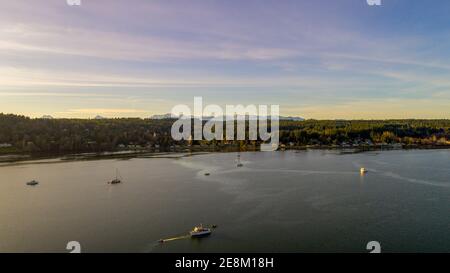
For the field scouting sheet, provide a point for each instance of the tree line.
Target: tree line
(24, 134)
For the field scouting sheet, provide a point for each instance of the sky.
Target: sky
(320, 59)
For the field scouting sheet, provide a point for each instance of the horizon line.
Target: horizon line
(297, 118)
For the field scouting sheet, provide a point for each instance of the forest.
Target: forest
(20, 134)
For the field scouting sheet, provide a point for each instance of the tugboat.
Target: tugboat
(200, 231)
(116, 180)
(32, 183)
(363, 171)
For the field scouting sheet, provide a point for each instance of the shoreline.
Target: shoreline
(180, 153)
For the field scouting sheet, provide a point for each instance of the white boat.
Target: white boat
(116, 180)
(363, 170)
(200, 231)
(32, 183)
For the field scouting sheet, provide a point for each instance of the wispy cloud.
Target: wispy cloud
(376, 109)
(122, 46)
(104, 111)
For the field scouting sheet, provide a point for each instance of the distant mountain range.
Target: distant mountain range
(165, 116)
(250, 117)
(292, 118)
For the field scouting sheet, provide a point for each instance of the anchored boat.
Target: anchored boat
(117, 180)
(32, 183)
(239, 164)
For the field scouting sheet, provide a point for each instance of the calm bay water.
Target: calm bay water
(306, 201)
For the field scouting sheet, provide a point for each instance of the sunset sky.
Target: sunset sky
(318, 59)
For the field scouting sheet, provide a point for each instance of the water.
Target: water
(306, 201)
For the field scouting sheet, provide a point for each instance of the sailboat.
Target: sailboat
(117, 180)
(239, 164)
(32, 183)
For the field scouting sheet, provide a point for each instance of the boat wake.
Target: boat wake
(174, 238)
(196, 232)
(407, 179)
(414, 180)
(305, 172)
(151, 247)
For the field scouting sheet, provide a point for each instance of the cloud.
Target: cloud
(122, 46)
(105, 111)
(376, 109)
(54, 94)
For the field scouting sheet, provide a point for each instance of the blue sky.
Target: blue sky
(319, 59)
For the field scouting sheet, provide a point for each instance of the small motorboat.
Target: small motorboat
(363, 171)
(207, 174)
(200, 231)
(32, 183)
